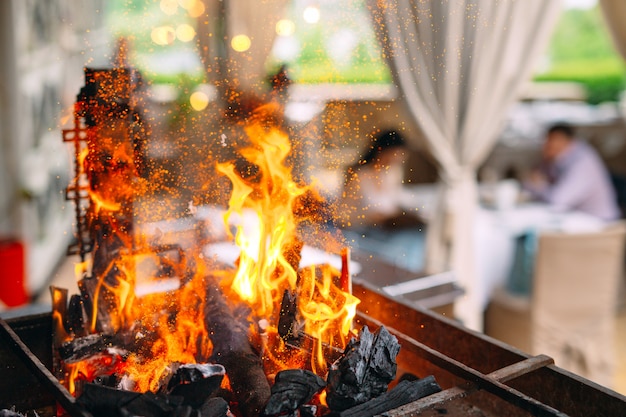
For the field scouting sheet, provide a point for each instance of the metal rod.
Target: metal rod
(42, 373)
(477, 379)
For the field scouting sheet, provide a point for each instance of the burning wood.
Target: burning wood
(193, 337)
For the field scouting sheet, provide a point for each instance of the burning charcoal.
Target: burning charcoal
(366, 368)
(215, 407)
(292, 388)
(287, 321)
(196, 382)
(403, 393)
(81, 348)
(232, 349)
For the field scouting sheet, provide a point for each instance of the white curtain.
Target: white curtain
(615, 15)
(224, 20)
(459, 65)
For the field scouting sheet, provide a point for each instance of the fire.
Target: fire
(154, 294)
(264, 268)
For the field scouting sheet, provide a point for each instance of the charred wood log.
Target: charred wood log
(403, 393)
(80, 348)
(231, 348)
(74, 320)
(288, 320)
(292, 388)
(364, 371)
(110, 402)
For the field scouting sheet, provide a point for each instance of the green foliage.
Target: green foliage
(314, 64)
(581, 51)
(581, 34)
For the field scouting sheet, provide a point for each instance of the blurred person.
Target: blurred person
(572, 176)
(371, 210)
(372, 193)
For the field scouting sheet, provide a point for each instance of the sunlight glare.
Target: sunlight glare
(311, 14)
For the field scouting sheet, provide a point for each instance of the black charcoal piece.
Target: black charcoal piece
(196, 382)
(364, 371)
(292, 388)
(214, 407)
(403, 393)
(109, 402)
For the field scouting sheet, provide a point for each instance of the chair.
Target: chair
(571, 312)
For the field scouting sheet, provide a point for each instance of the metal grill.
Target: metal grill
(480, 376)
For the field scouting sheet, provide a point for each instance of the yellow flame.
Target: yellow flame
(264, 271)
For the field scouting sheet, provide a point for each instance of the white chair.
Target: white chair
(571, 312)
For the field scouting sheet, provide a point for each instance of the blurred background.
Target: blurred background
(201, 59)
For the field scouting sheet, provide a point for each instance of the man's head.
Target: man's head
(559, 138)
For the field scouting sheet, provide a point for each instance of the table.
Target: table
(496, 230)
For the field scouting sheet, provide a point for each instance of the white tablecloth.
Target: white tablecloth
(496, 231)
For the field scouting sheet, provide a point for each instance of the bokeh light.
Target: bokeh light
(185, 32)
(241, 43)
(285, 27)
(196, 9)
(199, 100)
(169, 7)
(163, 35)
(186, 4)
(311, 14)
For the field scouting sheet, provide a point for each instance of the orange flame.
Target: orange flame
(264, 271)
(170, 325)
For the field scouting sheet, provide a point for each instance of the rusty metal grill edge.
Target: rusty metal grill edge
(465, 363)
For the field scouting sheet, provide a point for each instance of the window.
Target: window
(330, 41)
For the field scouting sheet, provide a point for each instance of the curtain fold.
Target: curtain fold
(614, 12)
(459, 65)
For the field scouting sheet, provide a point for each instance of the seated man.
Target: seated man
(572, 176)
